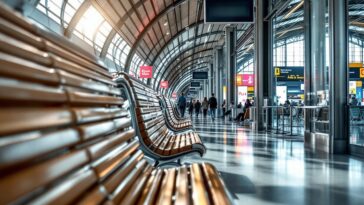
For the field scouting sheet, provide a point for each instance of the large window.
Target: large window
(289, 52)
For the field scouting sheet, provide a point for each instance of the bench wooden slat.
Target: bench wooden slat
(69, 190)
(84, 115)
(99, 149)
(134, 192)
(23, 50)
(125, 186)
(182, 192)
(77, 97)
(19, 68)
(112, 160)
(149, 194)
(19, 183)
(198, 187)
(95, 196)
(15, 150)
(216, 188)
(168, 184)
(14, 90)
(15, 120)
(21, 34)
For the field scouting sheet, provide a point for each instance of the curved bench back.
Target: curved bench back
(64, 134)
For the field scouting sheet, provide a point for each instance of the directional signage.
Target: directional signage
(290, 73)
(200, 75)
(195, 84)
(146, 71)
(164, 84)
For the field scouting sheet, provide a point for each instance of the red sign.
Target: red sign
(248, 80)
(164, 84)
(146, 72)
(174, 95)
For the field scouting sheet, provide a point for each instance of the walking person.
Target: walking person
(205, 107)
(197, 107)
(223, 107)
(213, 106)
(190, 108)
(182, 105)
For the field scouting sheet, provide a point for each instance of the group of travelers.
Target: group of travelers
(240, 108)
(210, 106)
(196, 106)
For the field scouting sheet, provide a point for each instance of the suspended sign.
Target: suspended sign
(164, 84)
(200, 75)
(293, 73)
(146, 71)
(245, 80)
(195, 84)
(248, 80)
(174, 95)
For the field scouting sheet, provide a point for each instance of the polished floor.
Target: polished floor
(269, 169)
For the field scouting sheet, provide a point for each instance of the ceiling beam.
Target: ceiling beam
(147, 28)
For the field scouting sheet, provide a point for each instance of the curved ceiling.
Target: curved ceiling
(170, 34)
(163, 33)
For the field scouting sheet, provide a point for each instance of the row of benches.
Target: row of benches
(177, 123)
(66, 135)
(161, 142)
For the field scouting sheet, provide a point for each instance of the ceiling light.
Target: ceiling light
(166, 23)
(167, 33)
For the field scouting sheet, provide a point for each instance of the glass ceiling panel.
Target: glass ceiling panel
(53, 9)
(88, 25)
(118, 50)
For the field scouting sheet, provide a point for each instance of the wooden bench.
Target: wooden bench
(66, 137)
(160, 142)
(173, 121)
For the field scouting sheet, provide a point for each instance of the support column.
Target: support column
(230, 40)
(317, 83)
(339, 121)
(261, 88)
(307, 71)
(210, 82)
(218, 63)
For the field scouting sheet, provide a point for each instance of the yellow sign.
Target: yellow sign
(355, 65)
(277, 71)
(250, 89)
(359, 84)
(361, 72)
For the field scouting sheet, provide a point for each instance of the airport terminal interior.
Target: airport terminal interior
(182, 102)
